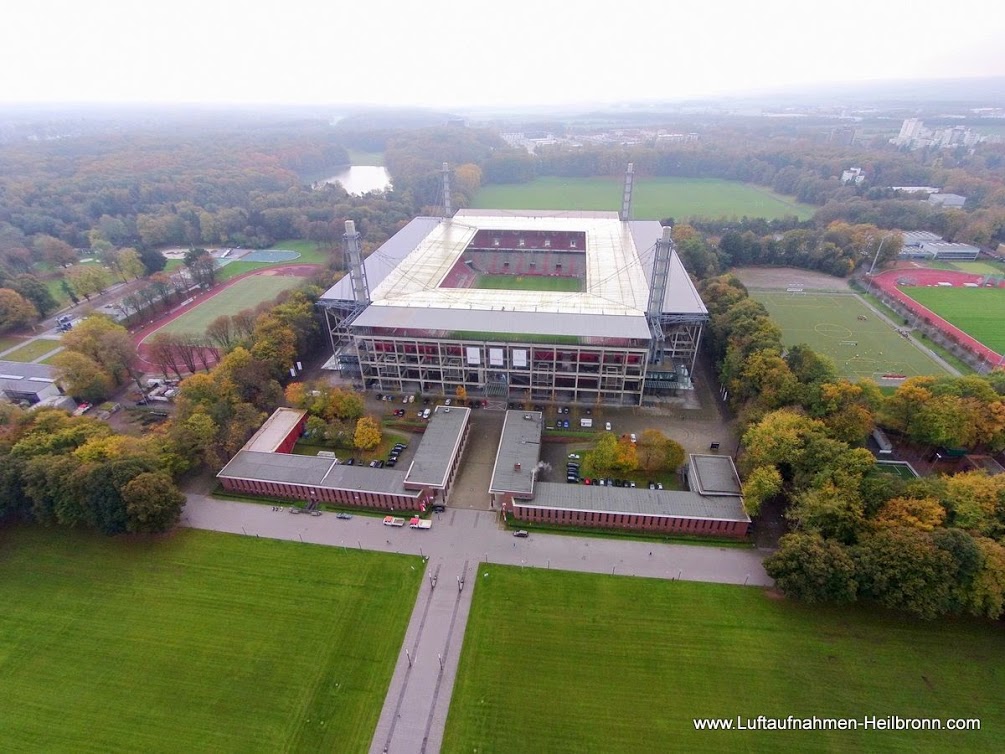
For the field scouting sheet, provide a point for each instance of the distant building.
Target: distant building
(949, 251)
(948, 200)
(914, 238)
(31, 383)
(852, 175)
(916, 189)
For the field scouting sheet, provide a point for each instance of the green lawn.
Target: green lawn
(308, 250)
(830, 324)
(7, 341)
(979, 312)
(979, 268)
(233, 269)
(244, 294)
(55, 286)
(32, 350)
(195, 642)
(529, 283)
(358, 157)
(654, 198)
(566, 663)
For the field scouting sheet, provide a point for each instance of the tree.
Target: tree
(82, 377)
(625, 457)
(153, 503)
(35, 291)
(603, 457)
(902, 569)
(367, 435)
(55, 252)
(107, 343)
(761, 484)
(652, 451)
(15, 310)
(131, 264)
(87, 279)
(64, 285)
(810, 568)
(973, 499)
(924, 513)
(153, 261)
(987, 593)
(220, 332)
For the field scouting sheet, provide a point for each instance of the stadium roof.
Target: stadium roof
(276, 429)
(713, 475)
(644, 502)
(440, 442)
(405, 273)
(518, 454)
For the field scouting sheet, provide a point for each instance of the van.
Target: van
(586, 423)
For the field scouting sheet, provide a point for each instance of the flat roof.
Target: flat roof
(20, 377)
(519, 444)
(713, 475)
(276, 429)
(314, 471)
(639, 501)
(618, 269)
(438, 448)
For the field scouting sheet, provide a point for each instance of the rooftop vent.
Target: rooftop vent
(516, 467)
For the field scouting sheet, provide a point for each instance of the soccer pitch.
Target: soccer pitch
(244, 294)
(979, 312)
(195, 642)
(653, 198)
(529, 283)
(842, 327)
(566, 663)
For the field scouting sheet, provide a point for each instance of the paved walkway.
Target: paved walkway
(414, 715)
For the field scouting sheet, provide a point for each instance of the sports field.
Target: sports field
(528, 283)
(849, 332)
(244, 294)
(653, 199)
(566, 663)
(979, 312)
(195, 642)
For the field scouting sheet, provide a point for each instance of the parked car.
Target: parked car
(343, 516)
(633, 438)
(351, 462)
(659, 485)
(373, 464)
(607, 426)
(522, 534)
(391, 463)
(439, 508)
(573, 456)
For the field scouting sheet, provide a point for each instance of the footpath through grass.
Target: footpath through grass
(979, 312)
(196, 642)
(653, 199)
(563, 662)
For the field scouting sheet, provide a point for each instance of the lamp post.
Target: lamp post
(876, 258)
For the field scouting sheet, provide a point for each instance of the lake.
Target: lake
(359, 179)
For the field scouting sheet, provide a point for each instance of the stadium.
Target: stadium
(583, 307)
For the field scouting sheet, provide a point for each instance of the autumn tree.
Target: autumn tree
(763, 483)
(976, 502)
(220, 332)
(367, 435)
(54, 251)
(82, 377)
(35, 291)
(15, 310)
(919, 513)
(656, 452)
(87, 279)
(106, 343)
(810, 568)
(604, 456)
(153, 503)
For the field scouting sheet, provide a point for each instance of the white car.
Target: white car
(607, 426)
(633, 438)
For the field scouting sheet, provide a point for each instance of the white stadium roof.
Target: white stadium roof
(405, 274)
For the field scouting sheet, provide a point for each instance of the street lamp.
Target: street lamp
(876, 258)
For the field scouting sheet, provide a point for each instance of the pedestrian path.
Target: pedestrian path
(414, 715)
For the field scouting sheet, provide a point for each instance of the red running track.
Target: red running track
(142, 333)
(887, 281)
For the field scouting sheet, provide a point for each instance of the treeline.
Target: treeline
(930, 546)
(837, 249)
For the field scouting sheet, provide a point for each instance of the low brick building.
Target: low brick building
(713, 505)
(276, 473)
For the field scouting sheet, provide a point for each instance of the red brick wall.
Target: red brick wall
(359, 498)
(630, 521)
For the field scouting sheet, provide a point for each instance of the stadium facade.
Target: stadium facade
(542, 306)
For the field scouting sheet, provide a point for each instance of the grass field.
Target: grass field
(975, 268)
(196, 642)
(654, 198)
(32, 350)
(7, 341)
(244, 294)
(529, 283)
(979, 312)
(566, 663)
(830, 324)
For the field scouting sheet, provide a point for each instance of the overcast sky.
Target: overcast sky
(468, 52)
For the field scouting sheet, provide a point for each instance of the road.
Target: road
(414, 714)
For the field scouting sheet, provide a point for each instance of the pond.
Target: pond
(359, 179)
